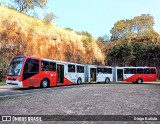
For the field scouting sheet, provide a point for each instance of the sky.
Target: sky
(99, 16)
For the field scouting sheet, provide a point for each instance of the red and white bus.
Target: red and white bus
(25, 71)
(135, 74)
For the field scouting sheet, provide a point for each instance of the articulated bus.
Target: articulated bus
(135, 74)
(25, 71)
(95, 74)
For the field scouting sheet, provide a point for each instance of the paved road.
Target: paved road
(87, 99)
(8, 90)
(13, 91)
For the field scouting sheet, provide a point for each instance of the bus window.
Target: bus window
(105, 70)
(16, 66)
(71, 68)
(153, 71)
(52, 66)
(80, 69)
(132, 70)
(139, 70)
(99, 70)
(31, 66)
(109, 70)
(126, 70)
(147, 70)
(45, 66)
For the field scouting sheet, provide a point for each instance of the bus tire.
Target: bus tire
(107, 80)
(45, 83)
(79, 81)
(139, 81)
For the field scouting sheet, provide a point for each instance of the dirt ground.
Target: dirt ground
(86, 99)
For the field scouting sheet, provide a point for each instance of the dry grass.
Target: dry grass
(46, 40)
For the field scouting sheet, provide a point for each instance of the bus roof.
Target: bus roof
(135, 67)
(57, 61)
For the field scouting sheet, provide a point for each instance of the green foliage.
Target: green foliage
(87, 41)
(100, 39)
(85, 33)
(141, 24)
(104, 38)
(69, 29)
(49, 17)
(139, 52)
(121, 29)
(121, 54)
(138, 28)
(138, 42)
(2, 83)
(135, 54)
(3, 66)
(26, 5)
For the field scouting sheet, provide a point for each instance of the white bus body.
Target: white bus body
(95, 74)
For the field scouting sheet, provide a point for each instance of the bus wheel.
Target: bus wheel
(107, 80)
(139, 81)
(79, 81)
(45, 83)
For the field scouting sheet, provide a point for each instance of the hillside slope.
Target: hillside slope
(21, 34)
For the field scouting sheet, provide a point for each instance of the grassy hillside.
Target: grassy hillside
(21, 34)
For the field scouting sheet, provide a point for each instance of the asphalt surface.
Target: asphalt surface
(86, 99)
(14, 91)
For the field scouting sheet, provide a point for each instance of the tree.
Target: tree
(152, 55)
(121, 30)
(138, 28)
(104, 38)
(84, 33)
(26, 5)
(103, 42)
(49, 17)
(69, 29)
(139, 52)
(142, 24)
(120, 55)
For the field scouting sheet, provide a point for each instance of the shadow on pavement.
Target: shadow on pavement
(83, 85)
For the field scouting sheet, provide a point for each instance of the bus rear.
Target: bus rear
(136, 74)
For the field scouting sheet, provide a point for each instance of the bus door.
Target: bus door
(120, 75)
(93, 74)
(60, 73)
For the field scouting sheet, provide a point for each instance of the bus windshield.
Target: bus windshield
(16, 66)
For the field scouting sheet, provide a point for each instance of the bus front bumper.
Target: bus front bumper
(14, 83)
